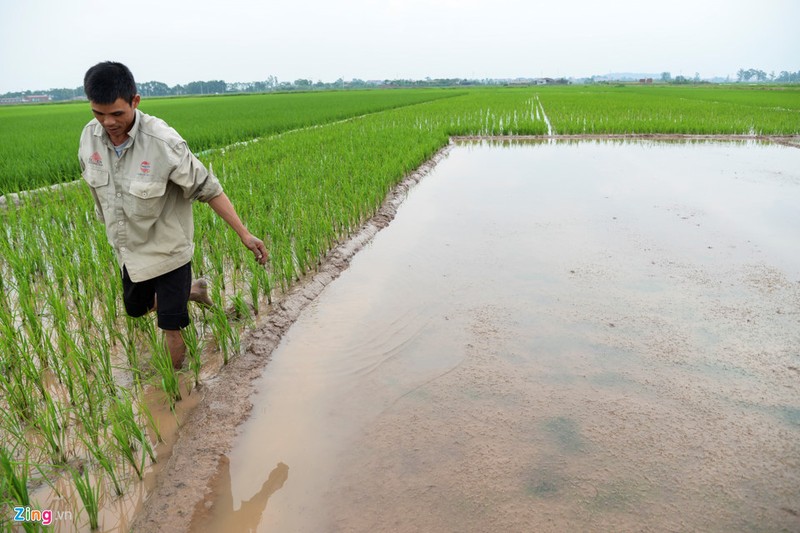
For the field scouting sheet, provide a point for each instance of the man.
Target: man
(144, 178)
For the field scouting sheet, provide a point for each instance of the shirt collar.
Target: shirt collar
(136, 121)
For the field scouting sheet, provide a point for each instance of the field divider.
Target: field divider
(550, 131)
(16, 197)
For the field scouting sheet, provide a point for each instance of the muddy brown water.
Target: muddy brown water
(588, 336)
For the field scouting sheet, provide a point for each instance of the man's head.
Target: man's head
(105, 82)
(112, 93)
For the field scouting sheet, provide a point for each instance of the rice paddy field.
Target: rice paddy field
(79, 381)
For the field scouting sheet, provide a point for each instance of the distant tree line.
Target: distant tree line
(666, 77)
(157, 88)
(752, 74)
(742, 76)
(199, 88)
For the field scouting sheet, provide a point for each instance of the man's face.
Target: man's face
(116, 118)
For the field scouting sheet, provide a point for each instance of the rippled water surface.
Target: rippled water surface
(596, 336)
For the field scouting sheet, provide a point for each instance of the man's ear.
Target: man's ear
(136, 100)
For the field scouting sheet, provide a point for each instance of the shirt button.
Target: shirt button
(144, 195)
(121, 223)
(123, 249)
(119, 195)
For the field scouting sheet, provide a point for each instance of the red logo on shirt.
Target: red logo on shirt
(95, 159)
(145, 167)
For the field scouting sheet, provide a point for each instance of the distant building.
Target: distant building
(551, 81)
(28, 99)
(646, 81)
(36, 98)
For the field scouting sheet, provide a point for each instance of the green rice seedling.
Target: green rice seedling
(217, 260)
(52, 424)
(221, 330)
(240, 308)
(13, 431)
(106, 463)
(15, 475)
(93, 398)
(14, 478)
(162, 363)
(29, 371)
(235, 340)
(31, 319)
(89, 494)
(128, 339)
(152, 423)
(265, 281)
(102, 361)
(254, 293)
(125, 447)
(124, 413)
(92, 427)
(192, 342)
(121, 431)
(111, 313)
(17, 396)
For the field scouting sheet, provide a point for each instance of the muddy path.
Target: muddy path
(183, 492)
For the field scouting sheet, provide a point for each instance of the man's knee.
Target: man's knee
(136, 311)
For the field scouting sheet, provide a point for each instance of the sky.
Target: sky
(50, 43)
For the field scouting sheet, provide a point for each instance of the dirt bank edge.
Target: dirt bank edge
(211, 428)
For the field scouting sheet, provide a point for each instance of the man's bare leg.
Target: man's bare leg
(176, 346)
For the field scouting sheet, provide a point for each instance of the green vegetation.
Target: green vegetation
(669, 109)
(74, 371)
(39, 144)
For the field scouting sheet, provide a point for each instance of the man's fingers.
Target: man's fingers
(259, 250)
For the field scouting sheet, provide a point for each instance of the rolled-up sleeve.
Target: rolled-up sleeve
(196, 181)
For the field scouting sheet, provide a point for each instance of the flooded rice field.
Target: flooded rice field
(592, 336)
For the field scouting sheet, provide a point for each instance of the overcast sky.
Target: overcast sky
(50, 43)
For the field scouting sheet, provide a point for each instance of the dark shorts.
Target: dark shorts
(172, 290)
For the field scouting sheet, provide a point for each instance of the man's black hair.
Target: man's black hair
(107, 81)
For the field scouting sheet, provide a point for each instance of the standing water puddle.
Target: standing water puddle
(548, 337)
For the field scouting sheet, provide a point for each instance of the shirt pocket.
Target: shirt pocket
(148, 198)
(95, 177)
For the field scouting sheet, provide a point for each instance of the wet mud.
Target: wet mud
(635, 368)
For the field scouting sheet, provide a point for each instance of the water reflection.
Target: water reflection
(220, 515)
(640, 141)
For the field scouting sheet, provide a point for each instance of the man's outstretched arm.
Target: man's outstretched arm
(222, 206)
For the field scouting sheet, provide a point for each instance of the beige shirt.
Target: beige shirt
(145, 196)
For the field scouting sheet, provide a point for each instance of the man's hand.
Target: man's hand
(256, 245)
(224, 208)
